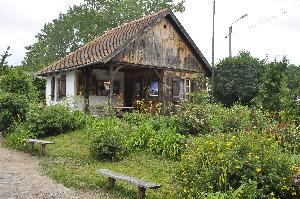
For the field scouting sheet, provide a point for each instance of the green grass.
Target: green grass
(68, 161)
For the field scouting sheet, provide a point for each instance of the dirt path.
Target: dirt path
(20, 178)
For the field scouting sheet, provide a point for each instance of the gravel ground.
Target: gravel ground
(20, 178)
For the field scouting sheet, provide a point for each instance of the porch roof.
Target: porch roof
(103, 48)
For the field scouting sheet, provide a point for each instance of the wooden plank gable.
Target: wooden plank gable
(161, 46)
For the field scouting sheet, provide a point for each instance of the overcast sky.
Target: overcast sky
(21, 20)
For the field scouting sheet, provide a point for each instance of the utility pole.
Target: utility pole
(229, 36)
(213, 55)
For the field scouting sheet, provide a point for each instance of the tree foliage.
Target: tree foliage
(274, 94)
(293, 80)
(3, 61)
(84, 22)
(17, 82)
(238, 78)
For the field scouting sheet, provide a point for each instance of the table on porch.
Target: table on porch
(123, 108)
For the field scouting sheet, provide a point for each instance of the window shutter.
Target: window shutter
(79, 84)
(195, 86)
(58, 89)
(63, 86)
(175, 89)
(52, 88)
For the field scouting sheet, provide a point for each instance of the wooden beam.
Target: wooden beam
(111, 86)
(158, 74)
(86, 87)
(164, 92)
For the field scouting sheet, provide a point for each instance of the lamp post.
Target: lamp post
(230, 31)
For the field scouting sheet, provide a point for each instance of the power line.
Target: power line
(266, 20)
(269, 19)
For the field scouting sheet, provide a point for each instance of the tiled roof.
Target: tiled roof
(105, 45)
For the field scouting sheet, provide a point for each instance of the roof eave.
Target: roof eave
(71, 68)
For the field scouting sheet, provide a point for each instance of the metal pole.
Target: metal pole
(230, 31)
(213, 55)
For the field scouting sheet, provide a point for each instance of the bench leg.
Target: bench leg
(111, 182)
(31, 145)
(43, 148)
(141, 193)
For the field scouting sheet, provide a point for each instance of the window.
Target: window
(116, 87)
(138, 88)
(153, 88)
(52, 88)
(80, 84)
(101, 88)
(181, 89)
(61, 87)
(187, 88)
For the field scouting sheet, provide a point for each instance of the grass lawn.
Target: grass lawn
(68, 162)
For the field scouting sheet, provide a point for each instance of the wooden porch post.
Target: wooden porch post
(111, 84)
(86, 87)
(164, 92)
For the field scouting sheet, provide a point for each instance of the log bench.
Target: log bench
(42, 143)
(142, 185)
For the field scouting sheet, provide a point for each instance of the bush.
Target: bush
(13, 108)
(194, 118)
(226, 120)
(109, 140)
(136, 118)
(227, 161)
(15, 138)
(16, 81)
(288, 135)
(140, 136)
(260, 119)
(53, 120)
(205, 118)
(168, 143)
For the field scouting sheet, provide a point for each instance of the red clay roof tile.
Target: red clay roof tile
(101, 47)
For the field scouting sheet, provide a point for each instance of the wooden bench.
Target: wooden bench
(42, 144)
(142, 185)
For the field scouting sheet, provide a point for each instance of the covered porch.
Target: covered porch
(119, 84)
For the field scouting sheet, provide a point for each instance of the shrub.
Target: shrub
(140, 136)
(53, 120)
(168, 143)
(260, 120)
(16, 81)
(205, 118)
(288, 135)
(15, 138)
(109, 140)
(13, 108)
(231, 119)
(226, 161)
(136, 118)
(194, 118)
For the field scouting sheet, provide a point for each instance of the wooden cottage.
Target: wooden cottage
(151, 59)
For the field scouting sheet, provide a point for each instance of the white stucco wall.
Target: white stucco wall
(71, 87)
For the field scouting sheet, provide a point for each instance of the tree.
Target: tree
(83, 23)
(3, 61)
(293, 80)
(274, 94)
(238, 78)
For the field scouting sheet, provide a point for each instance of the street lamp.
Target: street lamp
(230, 31)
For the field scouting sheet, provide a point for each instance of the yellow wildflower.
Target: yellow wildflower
(258, 170)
